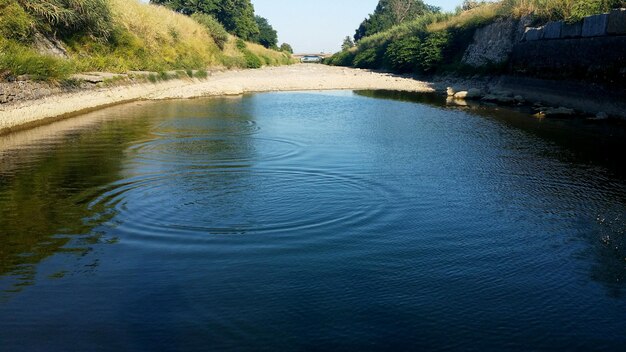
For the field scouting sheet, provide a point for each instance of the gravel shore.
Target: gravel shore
(285, 78)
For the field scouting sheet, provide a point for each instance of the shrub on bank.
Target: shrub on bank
(117, 36)
(436, 42)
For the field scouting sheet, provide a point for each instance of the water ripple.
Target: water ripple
(189, 205)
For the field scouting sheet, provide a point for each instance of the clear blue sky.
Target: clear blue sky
(313, 26)
(320, 25)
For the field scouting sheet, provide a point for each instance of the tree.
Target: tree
(267, 36)
(347, 43)
(237, 16)
(286, 48)
(389, 13)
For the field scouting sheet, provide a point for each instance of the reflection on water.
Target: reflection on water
(326, 220)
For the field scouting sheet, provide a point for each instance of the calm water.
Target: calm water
(312, 221)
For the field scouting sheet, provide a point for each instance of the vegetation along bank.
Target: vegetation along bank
(53, 39)
(531, 45)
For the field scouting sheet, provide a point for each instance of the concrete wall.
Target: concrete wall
(595, 59)
(602, 25)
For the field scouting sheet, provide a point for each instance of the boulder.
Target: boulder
(552, 30)
(558, 112)
(595, 26)
(450, 91)
(572, 30)
(617, 22)
(532, 34)
(461, 95)
(602, 116)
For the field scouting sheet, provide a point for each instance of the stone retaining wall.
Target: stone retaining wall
(602, 25)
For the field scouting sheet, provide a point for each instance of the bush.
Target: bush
(401, 55)
(17, 59)
(15, 23)
(216, 30)
(342, 58)
(252, 61)
(68, 17)
(430, 54)
(240, 44)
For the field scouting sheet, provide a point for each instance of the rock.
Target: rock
(572, 30)
(595, 26)
(602, 116)
(491, 44)
(519, 99)
(617, 22)
(560, 111)
(87, 78)
(532, 34)
(450, 91)
(461, 95)
(552, 30)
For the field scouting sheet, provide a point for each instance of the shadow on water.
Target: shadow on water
(588, 142)
(578, 143)
(50, 175)
(45, 174)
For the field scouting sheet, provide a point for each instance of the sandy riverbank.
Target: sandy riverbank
(286, 78)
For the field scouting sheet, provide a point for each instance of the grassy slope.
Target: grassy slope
(437, 42)
(142, 37)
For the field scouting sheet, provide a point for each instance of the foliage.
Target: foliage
(434, 42)
(546, 10)
(18, 59)
(15, 23)
(389, 13)
(342, 58)
(266, 36)
(347, 43)
(68, 17)
(401, 55)
(237, 16)
(286, 48)
(215, 29)
(143, 37)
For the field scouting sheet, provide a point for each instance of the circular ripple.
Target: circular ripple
(189, 127)
(183, 206)
(206, 151)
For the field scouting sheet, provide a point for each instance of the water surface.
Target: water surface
(312, 221)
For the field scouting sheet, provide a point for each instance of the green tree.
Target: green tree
(389, 13)
(347, 43)
(237, 16)
(266, 36)
(286, 48)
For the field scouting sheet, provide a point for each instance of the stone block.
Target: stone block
(552, 30)
(572, 30)
(617, 22)
(595, 26)
(532, 34)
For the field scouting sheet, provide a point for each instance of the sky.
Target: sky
(320, 25)
(315, 26)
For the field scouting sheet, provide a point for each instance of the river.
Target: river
(312, 221)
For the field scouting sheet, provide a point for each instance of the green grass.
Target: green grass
(118, 36)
